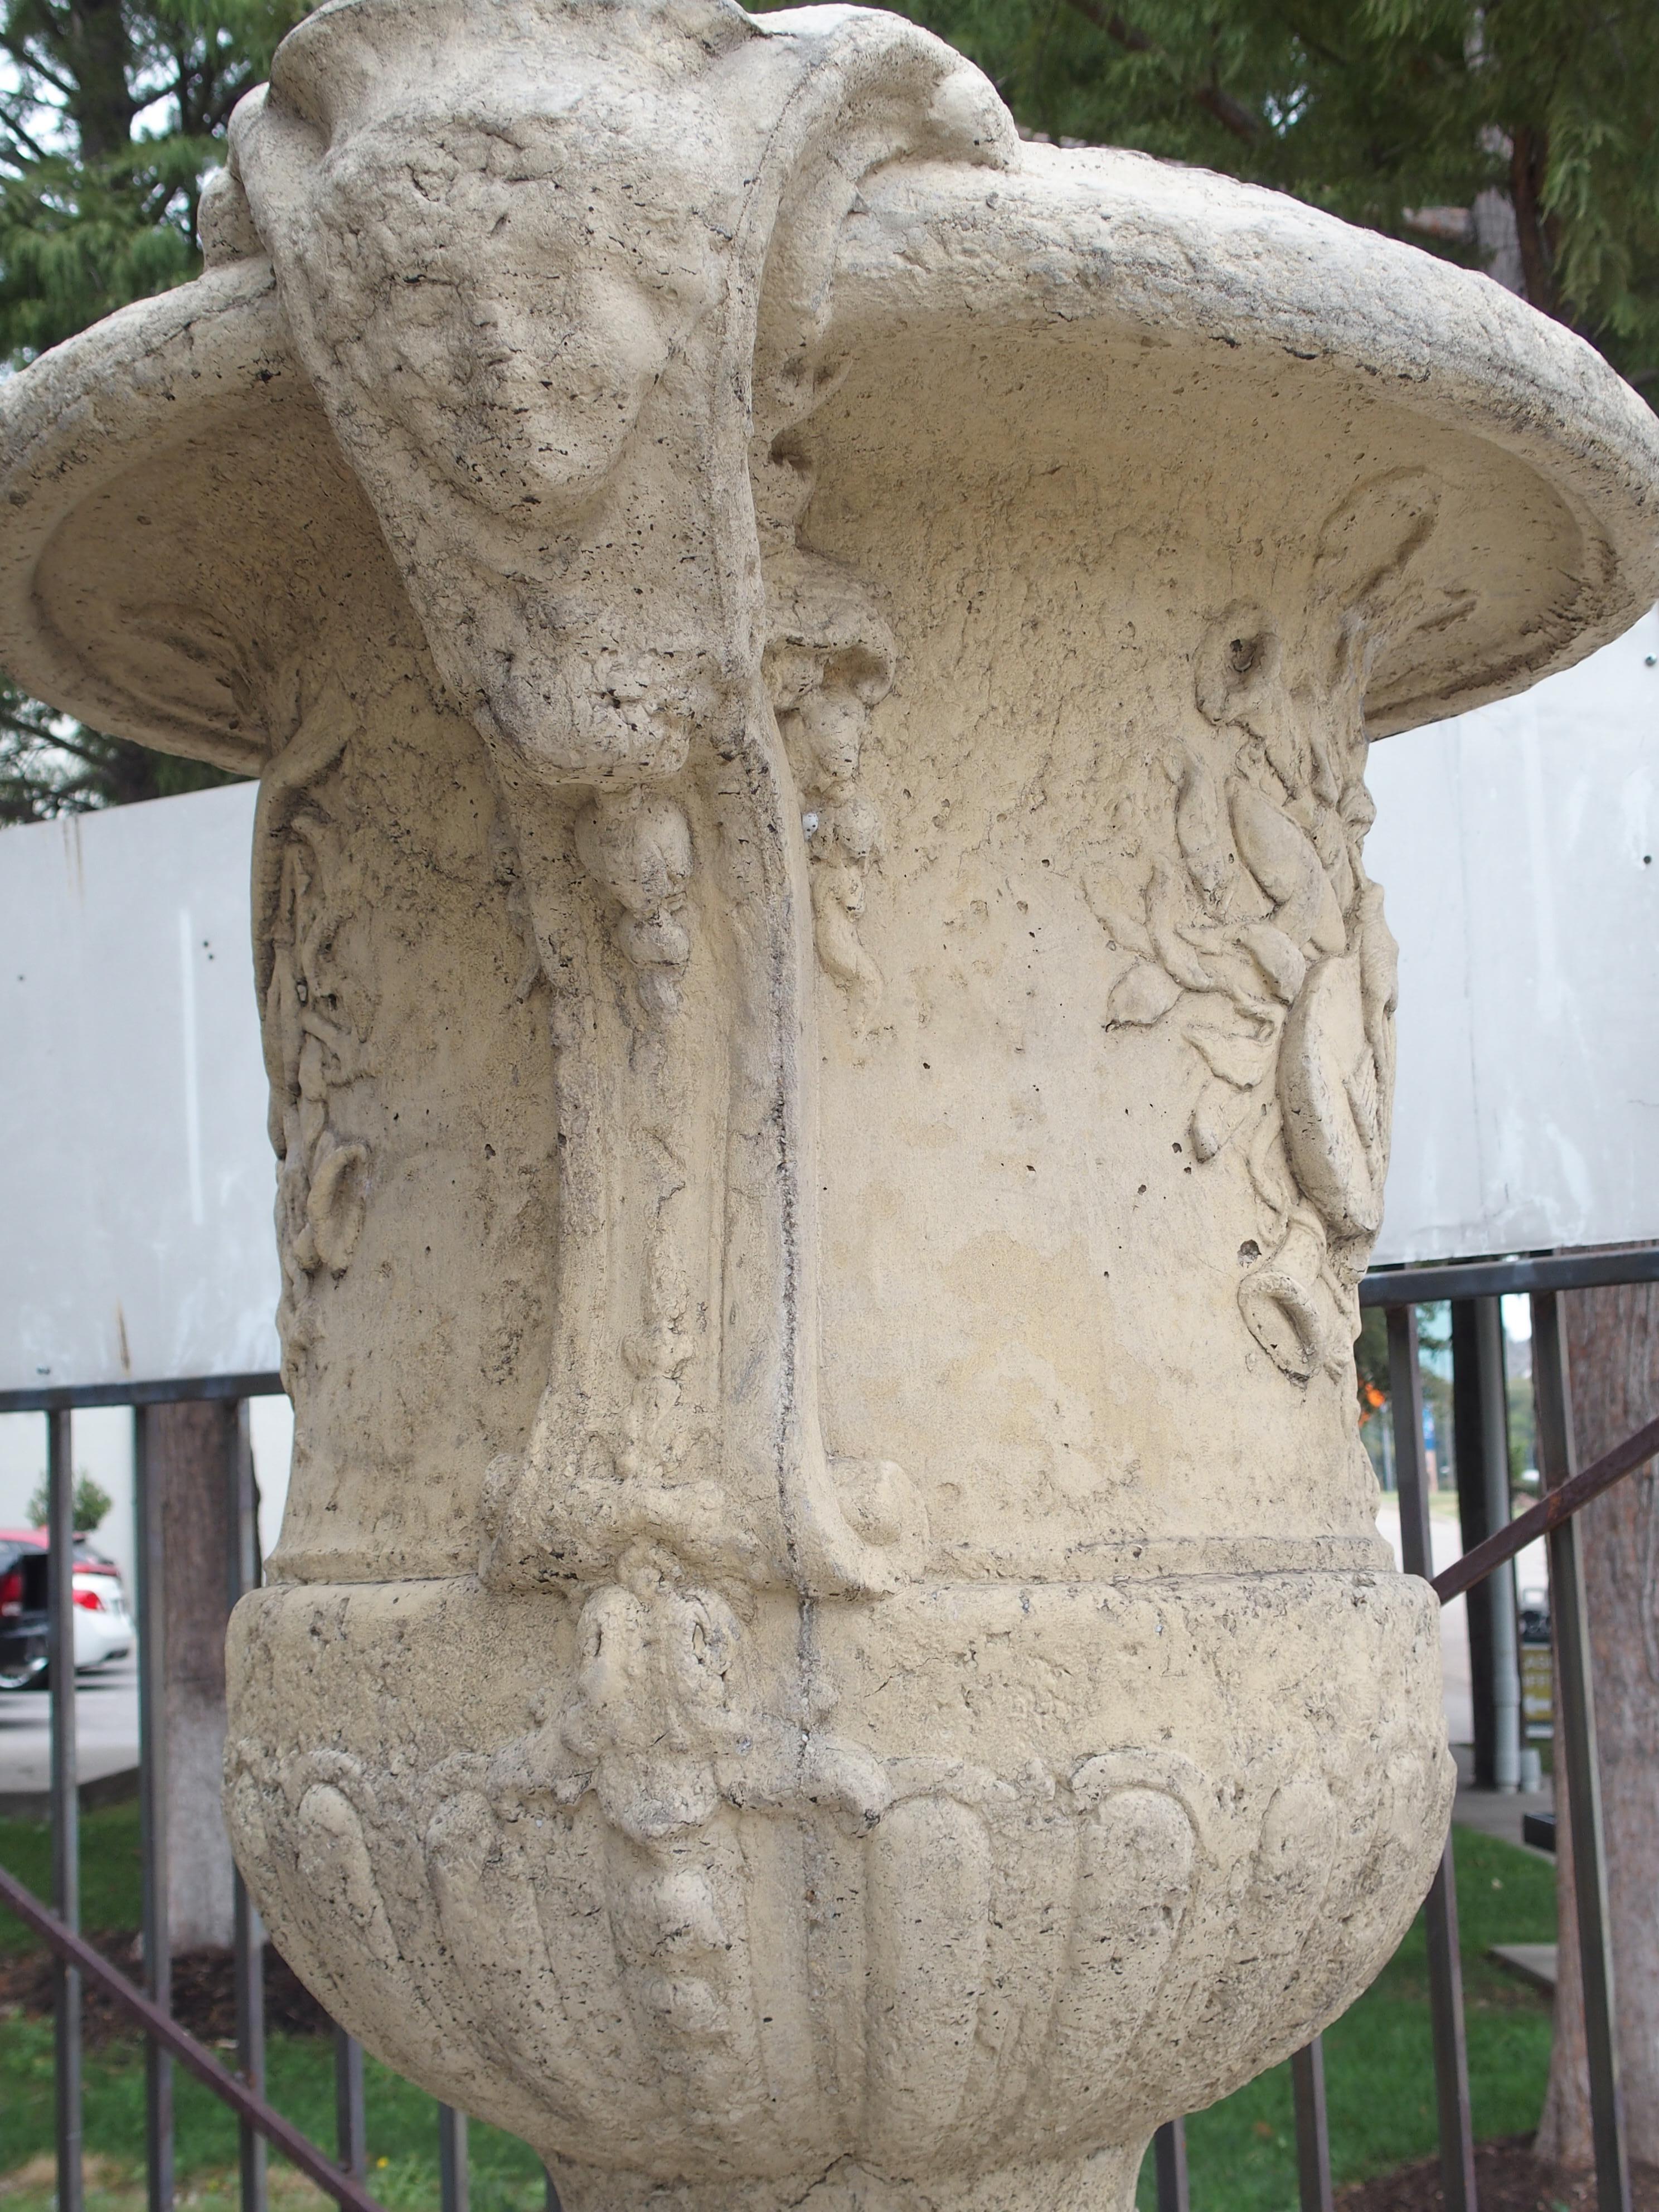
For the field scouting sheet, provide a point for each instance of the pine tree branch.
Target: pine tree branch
(1231, 114)
(22, 150)
(1126, 34)
(94, 761)
(65, 86)
(1321, 49)
(32, 149)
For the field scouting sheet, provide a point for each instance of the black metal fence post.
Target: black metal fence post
(1170, 2165)
(1451, 2064)
(1557, 1462)
(1313, 2139)
(453, 2178)
(152, 1812)
(66, 1798)
(1480, 1429)
(350, 2135)
(251, 2158)
(249, 1935)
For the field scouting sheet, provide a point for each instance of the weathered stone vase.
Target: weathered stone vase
(830, 1052)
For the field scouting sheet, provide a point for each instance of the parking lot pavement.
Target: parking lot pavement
(105, 1732)
(1498, 1813)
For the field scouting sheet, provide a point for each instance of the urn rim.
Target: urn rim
(1097, 247)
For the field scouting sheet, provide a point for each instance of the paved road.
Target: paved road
(105, 1726)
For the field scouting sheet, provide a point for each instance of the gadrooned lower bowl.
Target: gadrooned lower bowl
(1124, 1844)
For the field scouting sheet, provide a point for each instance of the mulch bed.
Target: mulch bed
(1507, 2179)
(204, 1992)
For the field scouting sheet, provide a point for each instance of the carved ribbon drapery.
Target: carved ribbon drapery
(560, 318)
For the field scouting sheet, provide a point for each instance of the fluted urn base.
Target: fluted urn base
(754, 1902)
(1103, 2181)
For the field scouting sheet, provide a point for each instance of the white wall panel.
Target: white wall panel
(1519, 849)
(136, 1180)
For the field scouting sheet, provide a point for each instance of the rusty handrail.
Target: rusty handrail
(162, 2028)
(1558, 1506)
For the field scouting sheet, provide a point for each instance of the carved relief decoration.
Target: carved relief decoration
(829, 661)
(703, 1923)
(583, 533)
(1236, 882)
(317, 1015)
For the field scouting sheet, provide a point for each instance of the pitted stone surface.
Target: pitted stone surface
(831, 1048)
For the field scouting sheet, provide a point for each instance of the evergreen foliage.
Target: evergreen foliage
(110, 119)
(91, 1506)
(111, 115)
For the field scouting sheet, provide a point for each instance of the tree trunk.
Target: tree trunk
(1614, 1342)
(1528, 163)
(192, 1456)
(92, 44)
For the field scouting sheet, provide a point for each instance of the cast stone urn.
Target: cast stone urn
(830, 1055)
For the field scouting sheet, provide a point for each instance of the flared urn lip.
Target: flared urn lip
(1027, 245)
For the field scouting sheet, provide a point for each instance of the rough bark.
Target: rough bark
(1563, 2130)
(1613, 1343)
(94, 46)
(1528, 165)
(191, 1452)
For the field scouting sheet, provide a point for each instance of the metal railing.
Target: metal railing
(75, 1962)
(1567, 1490)
(1542, 1278)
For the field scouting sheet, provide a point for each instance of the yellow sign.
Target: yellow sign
(1537, 1688)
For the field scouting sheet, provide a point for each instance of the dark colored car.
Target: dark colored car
(103, 1626)
(23, 1614)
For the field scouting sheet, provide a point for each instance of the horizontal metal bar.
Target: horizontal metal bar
(1384, 1286)
(74, 1950)
(1551, 1509)
(58, 1398)
(1428, 1285)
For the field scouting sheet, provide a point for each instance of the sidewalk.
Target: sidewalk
(107, 1742)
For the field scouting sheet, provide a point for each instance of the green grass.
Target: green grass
(110, 1889)
(403, 2125)
(1379, 2063)
(402, 2129)
(1379, 2067)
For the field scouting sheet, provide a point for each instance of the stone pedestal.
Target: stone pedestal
(830, 1050)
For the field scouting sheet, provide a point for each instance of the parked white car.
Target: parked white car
(103, 1625)
(103, 1622)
